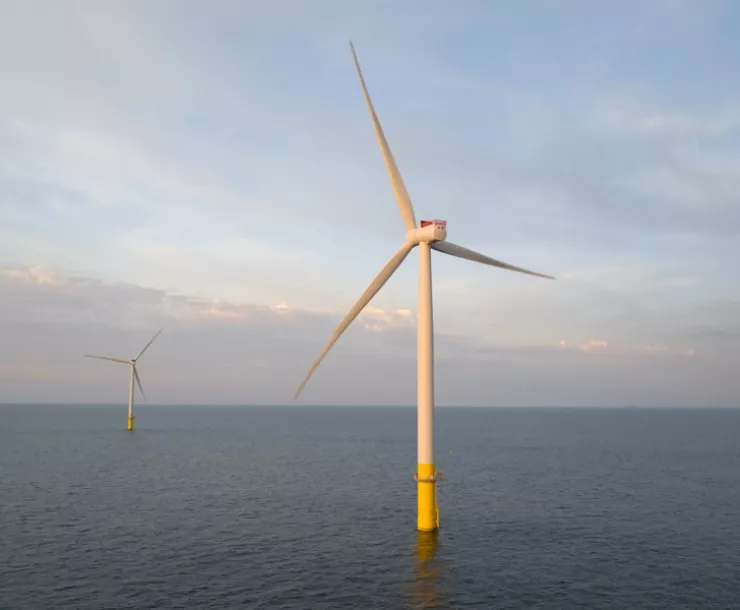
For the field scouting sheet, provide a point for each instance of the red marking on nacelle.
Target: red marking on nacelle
(426, 223)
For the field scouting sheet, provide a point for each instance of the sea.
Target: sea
(307, 507)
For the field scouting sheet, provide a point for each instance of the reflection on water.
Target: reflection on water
(426, 590)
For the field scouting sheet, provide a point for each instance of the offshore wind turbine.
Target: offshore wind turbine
(428, 235)
(134, 376)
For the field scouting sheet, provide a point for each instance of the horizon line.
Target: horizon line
(360, 406)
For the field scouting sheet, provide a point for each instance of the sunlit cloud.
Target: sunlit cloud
(35, 275)
(380, 320)
(594, 345)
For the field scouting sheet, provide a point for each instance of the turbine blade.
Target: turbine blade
(121, 360)
(460, 252)
(138, 382)
(382, 277)
(148, 344)
(399, 188)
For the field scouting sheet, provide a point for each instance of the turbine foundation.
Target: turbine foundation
(427, 516)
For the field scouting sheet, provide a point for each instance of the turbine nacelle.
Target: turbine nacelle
(428, 231)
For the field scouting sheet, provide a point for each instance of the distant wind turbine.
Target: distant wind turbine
(428, 235)
(134, 375)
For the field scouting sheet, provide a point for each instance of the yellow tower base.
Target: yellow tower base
(427, 511)
(131, 422)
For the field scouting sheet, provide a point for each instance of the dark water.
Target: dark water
(300, 507)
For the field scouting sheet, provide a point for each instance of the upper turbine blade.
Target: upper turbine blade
(371, 291)
(148, 344)
(121, 360)
(399, 188)
(455, 250)
(138, 382)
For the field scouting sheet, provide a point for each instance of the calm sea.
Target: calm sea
(313, 508)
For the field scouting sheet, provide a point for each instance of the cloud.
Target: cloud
(379, 320)
(654, 349)
(262, 208)
(49, 319)
(214, 350)
(684, 125)
(662, 350)
(593, 345)
(41, 295)
(129, 153)
(34, 275)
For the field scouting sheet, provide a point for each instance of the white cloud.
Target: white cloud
(34, 275)
(594, 345)
(380, 320)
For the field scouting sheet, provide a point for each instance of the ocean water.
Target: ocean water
(314, 508)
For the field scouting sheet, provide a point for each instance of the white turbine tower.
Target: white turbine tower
(428, 235)
(134, 375)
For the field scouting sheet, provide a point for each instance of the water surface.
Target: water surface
(307, 507)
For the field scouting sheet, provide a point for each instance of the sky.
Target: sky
(211, 169)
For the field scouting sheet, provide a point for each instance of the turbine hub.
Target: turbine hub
(428, 231)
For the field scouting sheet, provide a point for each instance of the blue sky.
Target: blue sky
(211, 168)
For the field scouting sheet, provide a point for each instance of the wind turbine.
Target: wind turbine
(134, 375)
(428, 235)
